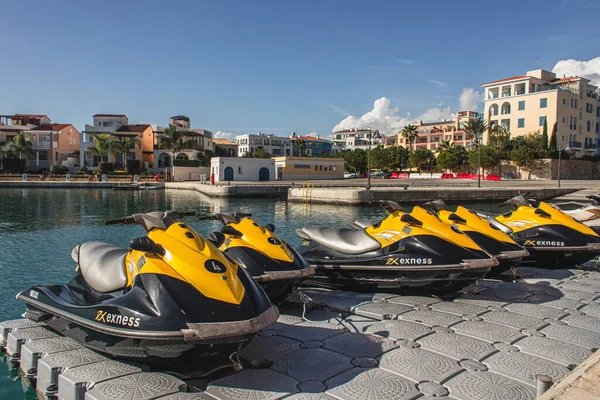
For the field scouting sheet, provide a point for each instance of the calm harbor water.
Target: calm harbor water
(40, 227)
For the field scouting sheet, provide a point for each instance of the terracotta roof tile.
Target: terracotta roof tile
(51, 127)
(223, 141)
(134, 128)
(513, 78)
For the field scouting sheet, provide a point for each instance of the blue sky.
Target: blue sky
(246, 66)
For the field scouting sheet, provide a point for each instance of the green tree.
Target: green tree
(379, 157)
(122, 147)
(489, 155)
(172, 139)
(528, 152)
(260, 152)
(204, 157)
(499, 138)
(422, 159)
(453, 158)
(553, 148)
(397, 157)
(300, 144)
(475, 127)
(355, 160)
(21, 145)
(444, 145)
(101, 147)
(545, 134)
(410, 133)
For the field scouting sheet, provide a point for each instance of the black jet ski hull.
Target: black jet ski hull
(557, 246)
(154, 325)
(508, 255)
(277, 278)
(445, 279)
(416, 263)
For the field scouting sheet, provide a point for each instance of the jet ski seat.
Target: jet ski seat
(344, 240)
(102, 265)
(363, 223)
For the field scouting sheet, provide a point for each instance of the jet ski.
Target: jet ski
(274, 264)
(403, 252)
(488, 236)
(587, 213)
(553, 238)
(170, 298)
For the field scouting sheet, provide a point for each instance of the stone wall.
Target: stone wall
(548, 170)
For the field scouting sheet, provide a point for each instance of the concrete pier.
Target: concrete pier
(496, 337)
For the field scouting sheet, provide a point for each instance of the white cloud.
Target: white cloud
(222, 135)
(588, 69)
(469, 100)
(439, 83)
(388, 120)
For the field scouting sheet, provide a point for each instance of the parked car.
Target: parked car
(379, 174)
(350, 175)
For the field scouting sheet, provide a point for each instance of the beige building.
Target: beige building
(306, 168)
(431, 133)
(522, 103)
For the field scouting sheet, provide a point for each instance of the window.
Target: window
(316, 167)
(576, 103)
(335, 166)
(320, 168)
(522, 105)
(239, 170)
(589, 126)
(301, 166)
(542, 119)
(544, 102)
(564, 101)
(589, 107)
(521, 123)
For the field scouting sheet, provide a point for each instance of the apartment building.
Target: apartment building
(272, 144)
(313, 146)
(522, 103)
(431, 133)
(118, 126)
(352, 139)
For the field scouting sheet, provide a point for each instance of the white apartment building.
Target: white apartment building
(522, 103)
(274, 145)
(351, 139)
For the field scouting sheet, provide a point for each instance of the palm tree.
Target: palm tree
(301, 145)
(444, 145)
(475, 127)
(123, 146)
(409, 132)
(22, 144)
(172, 139)
(101, 146)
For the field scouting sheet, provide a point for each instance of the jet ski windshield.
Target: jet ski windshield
(516, 202)
(152, 220)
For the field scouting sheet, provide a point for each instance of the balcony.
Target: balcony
(575, 145)
(41, 145)
(40, 163)
(590, 146)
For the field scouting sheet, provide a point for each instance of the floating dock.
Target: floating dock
(500, 340)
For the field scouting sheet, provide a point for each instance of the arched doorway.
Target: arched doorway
(263, 174)
(228, 174)
(164, 160)
(182, 156)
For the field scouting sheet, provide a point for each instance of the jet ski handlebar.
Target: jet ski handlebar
(225, 218)
(151, 220)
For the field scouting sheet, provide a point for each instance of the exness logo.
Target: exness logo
(408, 261)
(117, 319)
(543, 243)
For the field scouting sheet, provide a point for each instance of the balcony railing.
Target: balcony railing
(575, 145)
(42, 144)
(34, 163)
(590, 146)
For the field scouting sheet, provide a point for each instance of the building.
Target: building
(274, 145)
(242, 169)
(54, 144)
(390, 141)
(13, 124)
(431, 133)
(225, 147)
(313, 146)
(304, 168)
(522, 103)
(195, 140)
(351, 139)
(117, 125)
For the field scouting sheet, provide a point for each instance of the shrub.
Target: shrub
(186, 163)
(59, 169)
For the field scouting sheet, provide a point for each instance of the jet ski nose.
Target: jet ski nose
(478, 263)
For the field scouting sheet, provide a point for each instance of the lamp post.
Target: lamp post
(372, 135)
(478, 162)
(559, 154)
